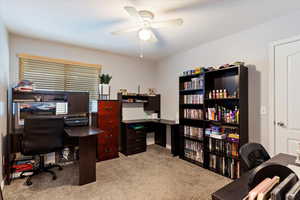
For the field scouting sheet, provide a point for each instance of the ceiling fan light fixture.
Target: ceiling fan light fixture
(145, 34)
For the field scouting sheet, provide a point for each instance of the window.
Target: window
(61, 75)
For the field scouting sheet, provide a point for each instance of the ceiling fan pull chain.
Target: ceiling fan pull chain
(141, 49)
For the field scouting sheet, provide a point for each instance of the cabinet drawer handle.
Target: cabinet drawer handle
(107, 150)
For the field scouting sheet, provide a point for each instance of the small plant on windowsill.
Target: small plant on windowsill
(105, 78)
(104, 88)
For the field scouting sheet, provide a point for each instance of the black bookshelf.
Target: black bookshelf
(218, 154)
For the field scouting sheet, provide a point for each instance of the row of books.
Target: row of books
(223, 147)
(276, 189)
(194, 132)
(225, 166)
(220, 130)
(194, 150)
(193, 114)
(195, 83)
(193, 99)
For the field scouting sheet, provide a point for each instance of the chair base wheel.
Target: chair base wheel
(28, 183)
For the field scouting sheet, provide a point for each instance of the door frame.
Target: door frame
(272, 123)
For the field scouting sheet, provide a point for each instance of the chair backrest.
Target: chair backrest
(42, 134)
(253, 154)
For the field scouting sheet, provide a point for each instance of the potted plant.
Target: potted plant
(104, 84)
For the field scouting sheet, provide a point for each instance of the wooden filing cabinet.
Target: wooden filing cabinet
(109, 116)
(133, 141)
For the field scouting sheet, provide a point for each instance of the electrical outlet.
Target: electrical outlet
(263, 110)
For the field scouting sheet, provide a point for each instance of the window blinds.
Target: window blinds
(56, 74)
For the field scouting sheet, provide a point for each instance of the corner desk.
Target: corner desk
(87, 141)
(158, 126)
(238, 189)
(87, 151)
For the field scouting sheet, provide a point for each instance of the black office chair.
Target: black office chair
(253, 154)
(42, 135)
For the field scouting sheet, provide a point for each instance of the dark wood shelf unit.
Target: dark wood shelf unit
(233, 79)
(134, 141)
(226, 70)
(192, 161)
(151, 103)
(78, 102)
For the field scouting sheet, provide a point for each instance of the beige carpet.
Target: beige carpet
(153, 175)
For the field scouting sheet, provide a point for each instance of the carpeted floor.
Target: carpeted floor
(153, 175)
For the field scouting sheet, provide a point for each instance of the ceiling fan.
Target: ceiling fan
(145, 24)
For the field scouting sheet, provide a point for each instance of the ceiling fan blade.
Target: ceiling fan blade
(167, 23)
(132, 11)
(127, 30)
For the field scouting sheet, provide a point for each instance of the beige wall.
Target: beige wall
(4, 75)
(251, 46)
(127, 72)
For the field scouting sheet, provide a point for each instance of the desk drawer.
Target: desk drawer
(105, 152)
(136, 141)
(109, 108)
(108, 138)
(132, 134)
(108, 122)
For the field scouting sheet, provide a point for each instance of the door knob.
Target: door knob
(281, 124)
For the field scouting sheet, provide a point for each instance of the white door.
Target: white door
(287, 97)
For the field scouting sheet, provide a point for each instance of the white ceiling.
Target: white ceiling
(88, 23)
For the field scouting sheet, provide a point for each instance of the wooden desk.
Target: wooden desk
(238, 189)
(87, 151)
(159, 126)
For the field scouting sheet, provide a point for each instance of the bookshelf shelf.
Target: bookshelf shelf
(220, 123)
(135, 102)
(192, 161)
(190, 76)
(222, 154)
(222, 99)
(233, 80)
(192, 138)
(191, 91)
(191, 105)
(192, 122)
